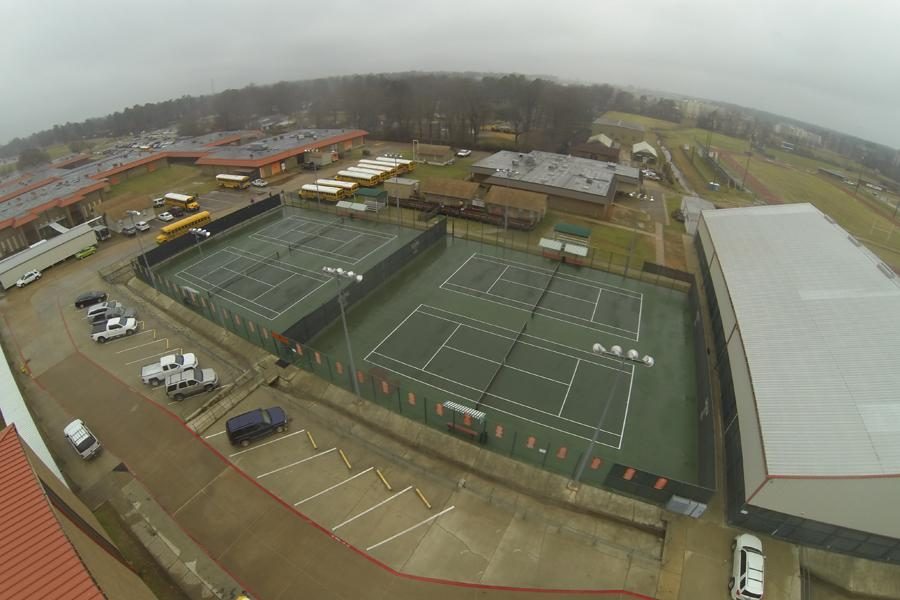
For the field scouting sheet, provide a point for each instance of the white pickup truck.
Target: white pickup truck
(156, 373)
(112, 329)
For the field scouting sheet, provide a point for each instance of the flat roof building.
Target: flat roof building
(807, 335)
(571, 184)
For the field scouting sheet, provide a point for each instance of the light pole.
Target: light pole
(632, 356)
(199, 234)
(133, 214)
(337, 274)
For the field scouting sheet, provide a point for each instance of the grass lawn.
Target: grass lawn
(175, 178)
(647, 122)
(458, 170)
(699, 173)
(143, 563)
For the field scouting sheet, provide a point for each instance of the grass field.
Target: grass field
(648, 122)
(458, 170)
(180, 178)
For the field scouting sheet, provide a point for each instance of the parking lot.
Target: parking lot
(154, 338)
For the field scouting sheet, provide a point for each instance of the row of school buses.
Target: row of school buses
(367, 173)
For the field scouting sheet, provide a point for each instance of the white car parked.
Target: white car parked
(83, 441)
(27, 278)
(747, 571)
(259, 183)
(141, 226)
(463, 153)
(165, 216)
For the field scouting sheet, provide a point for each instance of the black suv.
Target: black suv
(89, 299)
(255, 424)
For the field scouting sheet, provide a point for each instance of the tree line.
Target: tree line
(432, 107)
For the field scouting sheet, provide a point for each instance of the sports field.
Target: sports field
(510, 334)
(271, 271)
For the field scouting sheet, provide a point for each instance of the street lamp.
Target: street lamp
(632, 356)
(337, 274)
(199, 234)
(133, 214)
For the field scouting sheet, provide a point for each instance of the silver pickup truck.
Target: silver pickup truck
(156, 373)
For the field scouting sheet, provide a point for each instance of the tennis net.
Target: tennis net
(314, 235)
(500, 367)
(257, 264)
(547, 287)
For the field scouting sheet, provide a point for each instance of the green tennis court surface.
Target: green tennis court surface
(510, 334)
(271, 271)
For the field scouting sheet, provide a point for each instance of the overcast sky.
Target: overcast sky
(830, 63)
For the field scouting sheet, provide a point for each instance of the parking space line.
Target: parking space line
(294, 464)
(166, 340)
(349, 479)
(212, 435)
(166, 351)
(408, 529)
(280, 438)
(368, 510)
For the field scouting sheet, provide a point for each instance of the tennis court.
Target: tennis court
(561, 296)
(271, 270)
(509, 371)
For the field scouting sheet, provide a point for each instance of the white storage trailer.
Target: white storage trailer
(46, 253)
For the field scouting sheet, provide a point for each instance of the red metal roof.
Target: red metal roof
(37, 560)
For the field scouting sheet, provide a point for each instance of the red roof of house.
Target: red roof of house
(37, 560)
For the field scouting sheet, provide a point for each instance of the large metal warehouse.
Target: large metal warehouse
(807, 330)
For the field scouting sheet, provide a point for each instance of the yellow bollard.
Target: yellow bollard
(383, 480)
(311, 440)
(344, 457)
(423, 499)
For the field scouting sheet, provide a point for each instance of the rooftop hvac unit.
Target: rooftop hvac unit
(551, 166)
(588, 180)
(515, 162)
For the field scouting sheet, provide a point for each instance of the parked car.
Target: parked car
(462, 153)
(83, 441)
(176, 211)
(90, 298)
(101, 309)
(27, 278)
(116, 312)
(747, 571)
(165, 216)
(142, 226)
(156, 373)
(157, 202)
(255, 424)
(129, 230)
(85, 252)
(109, 330)
(259, 183)
(189, 382)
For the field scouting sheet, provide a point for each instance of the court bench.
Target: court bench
(480, 436)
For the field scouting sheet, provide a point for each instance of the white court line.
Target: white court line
(452, 275)
(171, 351)
(542, 309)
(481, 391)
(573, 278)
(499, 277)
(271, 287)
(277, 264)
(353, 239)
(458, 325)
(569, 389)
(551, 292)
(493, 408)
(166, 340)
(602, 327)
(257, 446)
(294, 464)
(394, 330)
(355, 260)
(627, 404)
(408, 529)
(245, 276)
(596, 302)
(640, 312)
(368, 232)
(194, 264)
(505, 365)
(527, 335)
(337, 485)
(370, 509)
